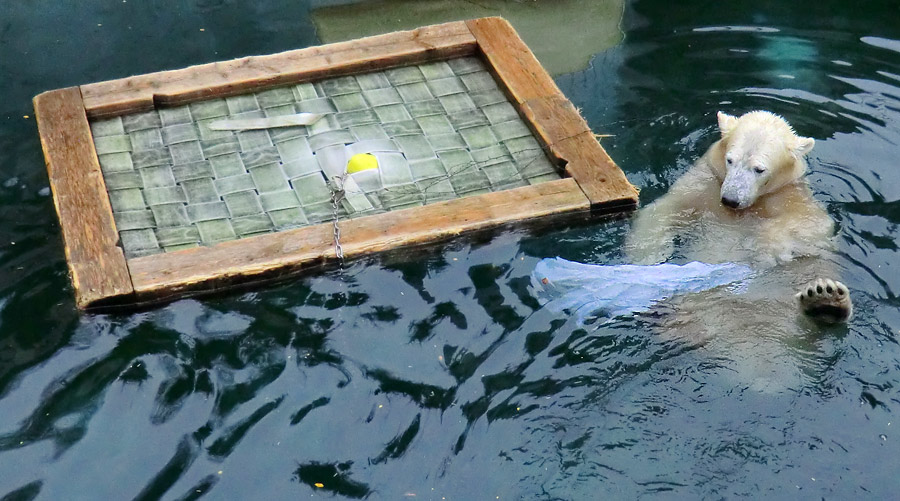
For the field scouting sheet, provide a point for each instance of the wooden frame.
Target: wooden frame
(102, 276)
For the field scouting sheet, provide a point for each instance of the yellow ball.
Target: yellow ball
(361, 162)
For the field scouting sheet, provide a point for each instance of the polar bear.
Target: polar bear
(746, 200)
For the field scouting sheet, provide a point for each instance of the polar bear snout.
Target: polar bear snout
(728, 202)
(739, 189)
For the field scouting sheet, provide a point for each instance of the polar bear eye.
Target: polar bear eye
(759, 169)
(729, 160)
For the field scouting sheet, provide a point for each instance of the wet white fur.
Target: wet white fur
(758, 154)
(777, 218)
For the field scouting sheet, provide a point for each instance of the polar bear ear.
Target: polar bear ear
(804, 145)
(726, 123)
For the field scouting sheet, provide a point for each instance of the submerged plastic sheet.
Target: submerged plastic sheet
(587, 290)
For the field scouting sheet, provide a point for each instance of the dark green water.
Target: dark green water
(437, 374)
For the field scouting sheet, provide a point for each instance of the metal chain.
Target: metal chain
(337, 194)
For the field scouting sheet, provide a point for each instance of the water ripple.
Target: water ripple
(435, 373)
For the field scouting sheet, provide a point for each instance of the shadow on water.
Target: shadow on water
(436, 373)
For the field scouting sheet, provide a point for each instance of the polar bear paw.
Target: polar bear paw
(826, 301)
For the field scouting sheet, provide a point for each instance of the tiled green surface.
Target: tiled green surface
(439, 130)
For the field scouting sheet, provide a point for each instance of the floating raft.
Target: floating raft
(469, 133)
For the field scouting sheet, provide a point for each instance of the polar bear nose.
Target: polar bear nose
(728, 202)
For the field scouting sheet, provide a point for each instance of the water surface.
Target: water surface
(435, 373)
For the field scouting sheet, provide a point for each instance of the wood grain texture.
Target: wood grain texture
(96, 264)
(602, 180)
(228, 78)
(269, 256)
(511, 60)
(552, 117)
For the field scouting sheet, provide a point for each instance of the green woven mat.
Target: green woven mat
(440, 131)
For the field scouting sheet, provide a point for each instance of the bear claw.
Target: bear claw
(826, 301)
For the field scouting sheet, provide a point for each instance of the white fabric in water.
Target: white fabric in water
(587, 290)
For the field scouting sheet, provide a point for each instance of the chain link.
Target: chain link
(337, 194)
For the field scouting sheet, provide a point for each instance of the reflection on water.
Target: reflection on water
(592, 25)
(435, 373)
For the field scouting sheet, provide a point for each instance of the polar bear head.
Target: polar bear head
(758, 154)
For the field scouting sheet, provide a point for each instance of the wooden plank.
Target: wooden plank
(142, 93)
(552, 117)
(447, 219)
(276, 254)
(511, 60)
(99, 270)
(97, 265)
(602, 180)
(229, 263)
